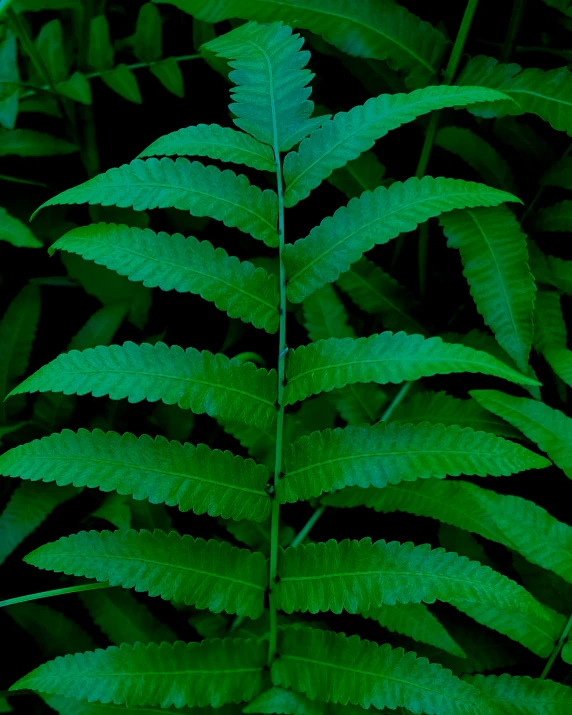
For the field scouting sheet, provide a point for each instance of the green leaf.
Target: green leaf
(185, 185)
(5, 706)
(416, 621)
(77, 87)
(215, 142)
(213, 672)
(331, 667)
(69, 706)
(362, 174)
(148, 45)
(206, 574)
(9, 73)
(495, 264)
(378, 30)
(384, 358)
(523, 695)
(554, 218)
(550, 334)
(181, 264)
(27, 142)
(17, 334)
(55, 633)
(478, 154)
(550, 429)
(27, 508)
(201, 382)
(523, 139)
(169, 74)
(359, 404)
(355, 576)
(391, 453)
(50, 47)
(122, 80)
(375, 218)
(270, 100)
(348, 134)
(567, 652)
(559, 174)
(440, 408)
(325, 315)
(377, 293)
(517, 523)
(15, 232)
(197, 478)
(123, 619)
(546, 94)
(284, 702)
(99, 49)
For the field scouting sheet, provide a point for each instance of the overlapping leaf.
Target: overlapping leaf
(387, 357)
(207, 574)
(197, 478)
(523, 695)
(199, 381)
(359, 575)
(348, 134)
(270, 99)
(69, 706)
(330, 667)
(495, 264)
(27, 142)
(555, 218)
(549, 428)
(391, 453)
(213, 673)
(215, 142)
(378, 30)
(173, 262)
(375, 218)
(546, 94)
(550, 334)
(513, 521)
(13, 231)
(186, 185)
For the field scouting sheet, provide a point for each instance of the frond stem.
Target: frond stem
(282, 352)
(557, 648)
(56, 592)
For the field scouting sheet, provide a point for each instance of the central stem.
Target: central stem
(282, 350)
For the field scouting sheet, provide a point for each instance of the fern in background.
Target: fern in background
(340, 422)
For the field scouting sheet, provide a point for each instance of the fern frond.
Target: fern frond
(382, 31)
(515, 522)
(441, 408)
(495, 264)
(172, 262)
(362, 174)
(285, 702)
(521, 695)
(28, 506)
(331, 667)
(391, 453)
(550, 334)
(546, 94)
(549, 428)
(325, 315)
(213, 672)
(69, 706)
(377, 293)
(554, 218)
(216, 142)
(201, 382)
(186, 185)
(478, 154)
(197, 478)
(559, 174)
(123, 619)
(270, 99)
(567, 652)
(416, 621)
(358, 575)
(383, 358)
(348, 134)
(13, 231)
(375, 218)
(358, 404)
(207, 574)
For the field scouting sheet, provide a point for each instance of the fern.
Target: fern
(240, 289)
(523, 695)
(208, 574)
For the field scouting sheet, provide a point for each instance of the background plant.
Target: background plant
(390, 50)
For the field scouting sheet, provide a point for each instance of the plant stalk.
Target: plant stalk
(282, 350)
(557, 648)
(56, 592)
(513, 28)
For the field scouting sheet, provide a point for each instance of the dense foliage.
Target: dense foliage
(370, 327)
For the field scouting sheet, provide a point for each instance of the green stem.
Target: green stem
(557, 648)
(142, 65)
(448, 75)
(513, 28)
(57, 592)
(282, 350)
